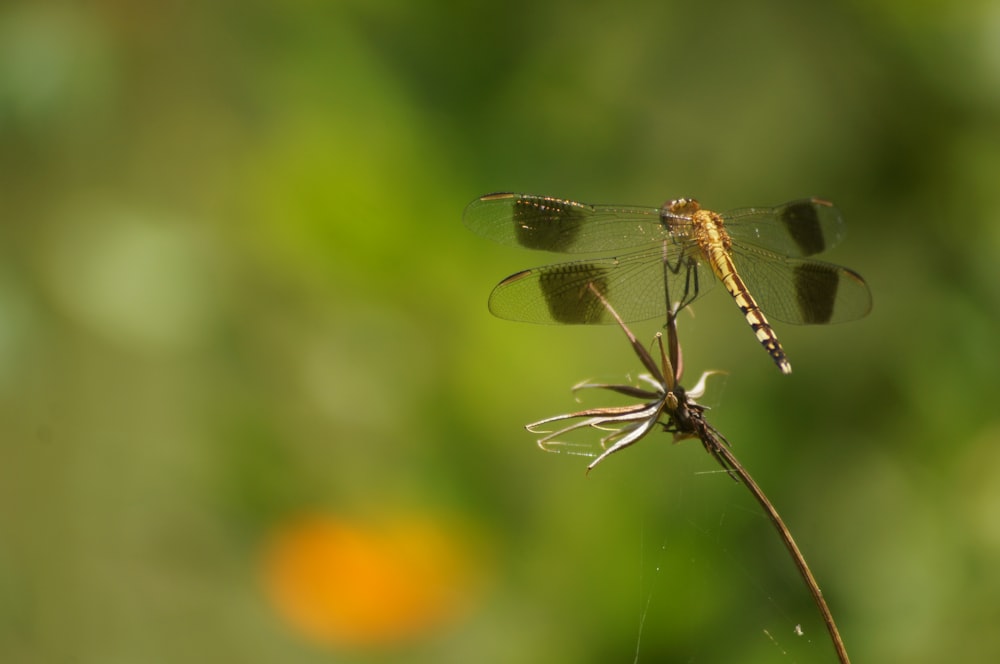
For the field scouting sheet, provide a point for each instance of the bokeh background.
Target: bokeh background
(253, 407)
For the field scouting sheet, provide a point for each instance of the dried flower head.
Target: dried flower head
(664, 402)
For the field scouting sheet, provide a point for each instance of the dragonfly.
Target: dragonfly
(670, 256)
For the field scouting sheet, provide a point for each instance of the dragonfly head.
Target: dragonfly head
(682, 207)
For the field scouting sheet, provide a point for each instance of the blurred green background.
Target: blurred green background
(235, 291)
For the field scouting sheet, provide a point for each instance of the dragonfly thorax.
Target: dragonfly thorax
(710, 233)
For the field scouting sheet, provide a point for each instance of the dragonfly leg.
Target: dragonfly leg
(691, 284)
(673, 270)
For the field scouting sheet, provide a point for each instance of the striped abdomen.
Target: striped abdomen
(714, 243)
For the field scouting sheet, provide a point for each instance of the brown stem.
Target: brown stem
(723, 452)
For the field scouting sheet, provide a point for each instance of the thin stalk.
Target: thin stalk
(733, 464)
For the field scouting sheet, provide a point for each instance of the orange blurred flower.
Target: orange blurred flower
(347, 583)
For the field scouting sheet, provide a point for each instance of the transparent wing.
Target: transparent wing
(768, 247)
(640, 285)
(554, 224)
(797, 229)
(801, 291)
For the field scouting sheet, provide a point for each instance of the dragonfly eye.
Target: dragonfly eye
(682, 206)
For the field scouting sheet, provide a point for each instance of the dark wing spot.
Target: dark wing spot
(549, 224)
(816, 289)
(569, 294)
(802, 222)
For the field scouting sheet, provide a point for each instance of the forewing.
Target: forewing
(799, 228)
(554, 224)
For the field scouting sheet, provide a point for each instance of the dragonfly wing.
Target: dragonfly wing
(554, 224)
(799, 228)
(640, 285)
(804, 292)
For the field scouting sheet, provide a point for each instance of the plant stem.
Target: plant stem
(725, 454)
